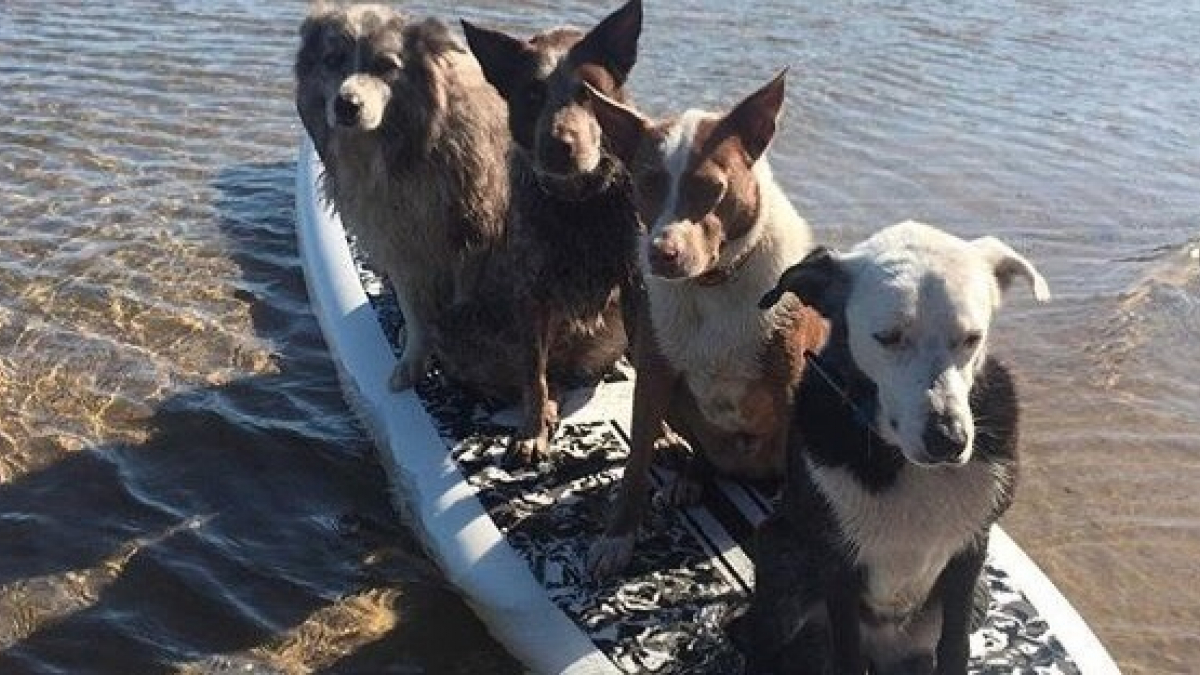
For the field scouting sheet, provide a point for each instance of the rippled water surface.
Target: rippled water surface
(182, 487)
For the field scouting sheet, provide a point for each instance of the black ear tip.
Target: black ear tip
(771, 297)
(633, 7)
(819, 253)
(470, 29)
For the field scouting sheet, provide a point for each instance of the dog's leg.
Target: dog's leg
(656, 380)
(957, 588)
(787, 602)
(845, 631)
(414, 343)
(532, 441)
(687, 488)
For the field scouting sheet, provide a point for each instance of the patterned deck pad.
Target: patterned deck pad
(689, 572)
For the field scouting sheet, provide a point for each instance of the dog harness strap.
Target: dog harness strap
(860, 416)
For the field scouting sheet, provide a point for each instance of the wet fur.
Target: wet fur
(425, 193)
(556, 307)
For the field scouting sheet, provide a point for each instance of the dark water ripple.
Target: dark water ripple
(181, 485)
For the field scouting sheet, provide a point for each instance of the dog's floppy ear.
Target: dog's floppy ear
(429, 37)
(753, 121)
(1007, 264)
(623, 126)
(501, 56)
(819, 280)
(613, 43)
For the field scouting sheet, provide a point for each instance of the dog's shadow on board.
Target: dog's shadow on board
(252, 525)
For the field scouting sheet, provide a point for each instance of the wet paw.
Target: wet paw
(609, 556)
(528, 451)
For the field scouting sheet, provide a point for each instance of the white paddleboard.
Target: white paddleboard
(514, 542)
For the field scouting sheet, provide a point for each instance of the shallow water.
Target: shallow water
(181, 485)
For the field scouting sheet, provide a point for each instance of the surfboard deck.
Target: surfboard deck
(514, 541)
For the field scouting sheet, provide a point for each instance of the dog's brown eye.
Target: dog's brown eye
(971, 340)
(890, 339)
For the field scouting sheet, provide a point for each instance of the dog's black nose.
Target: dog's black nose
(944, 439)
(346, 109)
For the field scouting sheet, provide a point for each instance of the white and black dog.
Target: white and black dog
(902, 454)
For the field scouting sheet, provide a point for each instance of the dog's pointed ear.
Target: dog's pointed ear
(819, 280)
(501, 56)
(613, 43)
(753, 121)
(623, 126)
(1007, 264)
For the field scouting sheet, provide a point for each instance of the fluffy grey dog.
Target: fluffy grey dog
(414, 141)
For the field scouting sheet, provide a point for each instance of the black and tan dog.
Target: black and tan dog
(903, 453)
(550, 307)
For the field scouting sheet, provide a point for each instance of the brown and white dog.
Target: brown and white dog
(550, 306)
(713, 366)
(414, 145)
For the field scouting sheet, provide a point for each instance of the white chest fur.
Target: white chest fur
(715, 335)
(905, 535)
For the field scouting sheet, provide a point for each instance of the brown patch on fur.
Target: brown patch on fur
(737, 416)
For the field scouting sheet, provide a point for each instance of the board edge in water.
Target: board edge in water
(444, 509)
(425, 483)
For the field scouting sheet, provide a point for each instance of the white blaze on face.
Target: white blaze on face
(676, 150)
(917, 316)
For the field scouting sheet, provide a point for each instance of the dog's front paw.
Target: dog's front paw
(610, 555)
(528, 451)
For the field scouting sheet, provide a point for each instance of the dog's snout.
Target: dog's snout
(664, 251)
(347, 108)
(945, 439)
(567, 136)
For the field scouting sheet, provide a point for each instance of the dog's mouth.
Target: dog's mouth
(680, 265)
(348, 119)
(578, 185)
(358, 105)
(939, 446)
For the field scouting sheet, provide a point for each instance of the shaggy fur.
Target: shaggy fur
(414, 144)
(714, 367)
(553, 308)
(874, 558)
